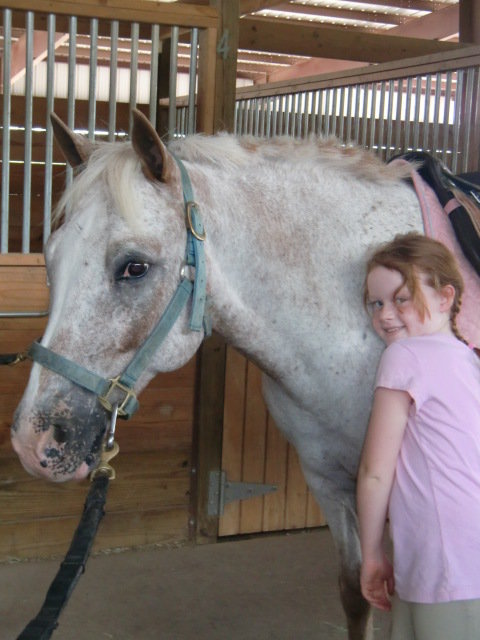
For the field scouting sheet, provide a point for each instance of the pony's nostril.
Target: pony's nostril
(59, 433)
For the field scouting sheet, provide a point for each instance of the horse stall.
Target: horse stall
(192, 451)
(151, 500)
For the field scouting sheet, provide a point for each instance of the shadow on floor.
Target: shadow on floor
(280, 587)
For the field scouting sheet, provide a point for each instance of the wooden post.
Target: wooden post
(220, 98)
(469, 18)
(227, 53)
(469, 29)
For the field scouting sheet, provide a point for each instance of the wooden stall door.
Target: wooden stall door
(254, 450)
(148, 502)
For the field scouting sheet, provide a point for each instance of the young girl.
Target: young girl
(421, 456)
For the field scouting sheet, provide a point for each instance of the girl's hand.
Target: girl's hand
(377, 582)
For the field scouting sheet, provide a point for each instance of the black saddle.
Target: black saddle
(442, 181)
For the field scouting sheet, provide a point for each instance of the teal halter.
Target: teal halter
(125, 382)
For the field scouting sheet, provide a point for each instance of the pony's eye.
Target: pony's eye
(133, 270)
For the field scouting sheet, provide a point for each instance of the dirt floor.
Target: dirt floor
(280, 587)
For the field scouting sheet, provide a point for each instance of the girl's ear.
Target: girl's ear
(447, 294)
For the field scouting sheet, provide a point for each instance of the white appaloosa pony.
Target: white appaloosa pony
(288, 225)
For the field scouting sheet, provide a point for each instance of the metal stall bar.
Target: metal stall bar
(47, 198)
(275, 104)
(373, 116)
(313, 116)
(468, 106)
(134, 32)
(328, 120)
(457, 119)
(7, 56)
(446, 119)
(398, 119)
(416, 122)
(112, 84)
(92, 78)
(342, 112)
(154, 52)
(334, 111)
(268, 122)
(388, 149)
(381, 120)
(192, 81)
(436, 112)
(408, 106)
(365, 113)
(349, 113)
(27, 165)
(72, 46)
(356, 117)
(426, 113)
(172, 88)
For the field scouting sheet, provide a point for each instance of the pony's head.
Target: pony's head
(112, 266)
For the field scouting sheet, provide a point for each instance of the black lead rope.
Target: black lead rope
(46, 621)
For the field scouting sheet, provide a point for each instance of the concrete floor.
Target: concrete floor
(280, 587)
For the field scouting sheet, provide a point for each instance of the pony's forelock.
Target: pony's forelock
(114, 165)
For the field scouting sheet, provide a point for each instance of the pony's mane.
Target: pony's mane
(115, 164)
(225, 150)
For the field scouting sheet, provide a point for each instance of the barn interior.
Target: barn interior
(389, 75)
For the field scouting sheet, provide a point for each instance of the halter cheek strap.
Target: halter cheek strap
(108, 390)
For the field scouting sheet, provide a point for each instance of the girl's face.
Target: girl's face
(393, 312)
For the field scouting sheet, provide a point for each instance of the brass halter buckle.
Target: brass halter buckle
(194, 232)
(116, 384)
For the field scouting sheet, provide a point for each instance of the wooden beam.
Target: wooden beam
(328, 42)
(435, 26)
(415, 5)
(315, 13)
(138, 11)
(250, 6)
(17, 66)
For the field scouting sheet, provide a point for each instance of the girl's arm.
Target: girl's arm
(375, 478)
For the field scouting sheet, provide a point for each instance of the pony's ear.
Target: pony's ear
(156, 161)
(76, 148)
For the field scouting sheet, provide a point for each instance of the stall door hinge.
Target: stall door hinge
(221, 491)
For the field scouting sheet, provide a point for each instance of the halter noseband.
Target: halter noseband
(105, 388)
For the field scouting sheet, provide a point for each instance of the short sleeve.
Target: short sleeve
(400, 369)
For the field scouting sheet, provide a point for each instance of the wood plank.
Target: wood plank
(275, 473)
(233, 421)
(145, 481)
(140, 11)
(46, 538)
(207, 441)
(253, 456)
(296, 505)
(315, 516)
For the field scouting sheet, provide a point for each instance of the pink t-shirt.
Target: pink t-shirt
(435, 501)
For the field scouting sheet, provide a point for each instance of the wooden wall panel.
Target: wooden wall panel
(149, 501)
(254, 450)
